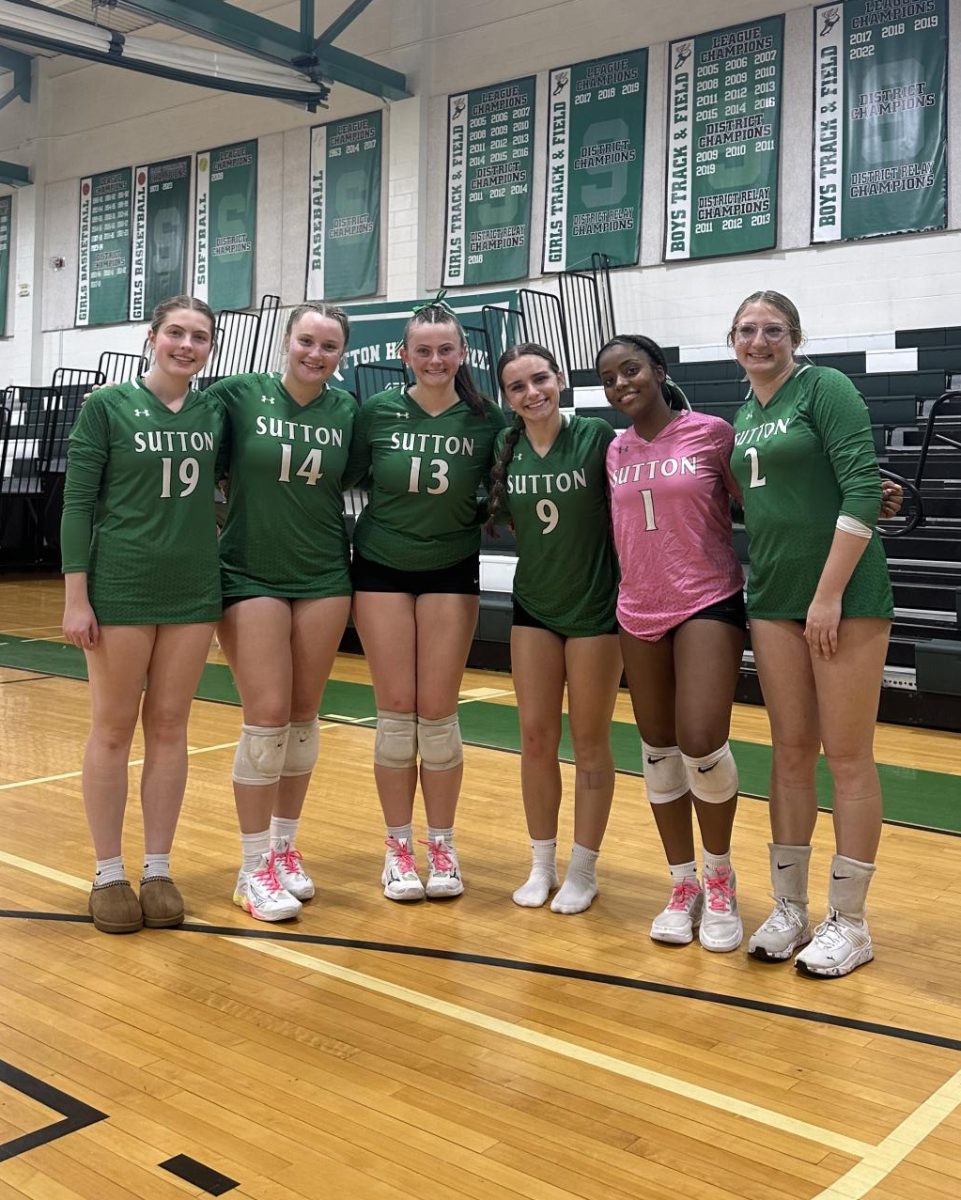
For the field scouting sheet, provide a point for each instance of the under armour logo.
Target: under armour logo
(141, 412)
(402, 416)
(266, 399)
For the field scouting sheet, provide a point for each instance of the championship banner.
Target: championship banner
(103, 275)
(226, 225)
(161, 204)
(6, 211)
(343, 257)
(490, 165)
(880, 118)
(595, 160)
(723, 141)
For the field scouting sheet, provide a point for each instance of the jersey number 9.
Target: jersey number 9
(547, 511)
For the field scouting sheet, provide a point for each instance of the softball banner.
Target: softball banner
(103, 269)
(6, 212)
(161, 206)
(226, 225)
(343, 257)
(595, 160)
(489, 170)
(723, 141)
(880, 118)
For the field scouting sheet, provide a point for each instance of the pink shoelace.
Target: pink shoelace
(682, 895)
(268, 876)
(403, 854)
(720, 894)
(290, 859)
(440, 857)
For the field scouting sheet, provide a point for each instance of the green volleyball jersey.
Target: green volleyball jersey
(138, 507)
(284, 532)
(566, 572)
(423, 477)
(800, 461)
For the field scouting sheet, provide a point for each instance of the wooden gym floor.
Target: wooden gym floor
(462, 1049)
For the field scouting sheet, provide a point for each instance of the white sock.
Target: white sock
(580, 884)
(109, 870)
(440, 835)
(543, 877)
(402, 833)
(155, 866)
(255, 847)
(682, 871)
(283, 832)
(715, 863)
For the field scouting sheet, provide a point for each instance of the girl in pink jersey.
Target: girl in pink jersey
(681, 615)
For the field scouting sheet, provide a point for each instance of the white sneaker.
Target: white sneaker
(721, 927)
(289, 868)
(840, 944)
(399, 877)
(787, 929)
(443, 878)
(261, 893)
(677, 922)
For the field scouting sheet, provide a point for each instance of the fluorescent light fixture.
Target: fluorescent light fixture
(55, 28)
(215, 64)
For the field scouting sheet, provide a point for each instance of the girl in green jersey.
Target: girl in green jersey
(549, 482)
(820, 608)
(142, 596)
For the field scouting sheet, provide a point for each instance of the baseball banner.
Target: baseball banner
(724, 141)
(161, 207)
(489, 170)
(595, 155)
(103, 270)
(880, 118)
(226, 225)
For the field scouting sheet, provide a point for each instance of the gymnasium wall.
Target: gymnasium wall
(86, 118)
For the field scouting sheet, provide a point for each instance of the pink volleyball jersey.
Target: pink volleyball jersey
(670, 506)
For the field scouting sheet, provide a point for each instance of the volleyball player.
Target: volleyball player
(142, 595)
(820, 605)
(549, 482)
(286, 586)
(681, 613)
(426, 450)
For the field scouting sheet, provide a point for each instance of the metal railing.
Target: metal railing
(544, 324)
(915, 517)
(117, 367)
(930, 434)
(372, 378)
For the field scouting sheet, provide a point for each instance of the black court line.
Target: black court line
(76, 1114)
(511, 964)
(198, 1174)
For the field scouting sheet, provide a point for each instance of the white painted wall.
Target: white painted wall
(86, 118)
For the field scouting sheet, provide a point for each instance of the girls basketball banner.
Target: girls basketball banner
(723, 141)
(161, 207)
(343, 257)
(103, 268)
(226, 225)
(489, 171)
(6, 222)
(880, 118)
(595, 157)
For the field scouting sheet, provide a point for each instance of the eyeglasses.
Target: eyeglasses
(770, 333)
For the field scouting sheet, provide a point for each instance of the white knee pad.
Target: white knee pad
(303, 746)
(395, 743)
(713, 778)
(260, 754)
(440, 743)
(664, 773)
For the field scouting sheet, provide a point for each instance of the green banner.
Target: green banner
(226, 225)
(595, 160)
(103, 272)
(724, 140)
(880, 118)
(343, 257)
(6, 222)
(490, 165)
(161, 206)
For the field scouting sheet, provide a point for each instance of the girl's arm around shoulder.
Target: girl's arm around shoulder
(722, 438)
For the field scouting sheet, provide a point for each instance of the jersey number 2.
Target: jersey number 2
(757, 479)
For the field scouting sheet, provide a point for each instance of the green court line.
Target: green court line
(911, 795)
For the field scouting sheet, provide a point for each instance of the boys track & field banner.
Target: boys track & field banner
(723, 140)
(6, 222)
(595, 161)
(489, 173)
(103, 267)
(343, 255)
(161, 208)
(880, 118)
(226, 225)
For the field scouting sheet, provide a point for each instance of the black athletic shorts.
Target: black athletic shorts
(524, 620)
(461, 579)
(730, 610)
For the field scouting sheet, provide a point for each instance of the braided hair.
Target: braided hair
(439, 313)
(674, 396)
(497, 494)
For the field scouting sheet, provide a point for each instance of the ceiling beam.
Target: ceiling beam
(14, 175)
(347, 17)
(19, 64)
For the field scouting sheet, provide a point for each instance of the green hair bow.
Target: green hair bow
(437, 302)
